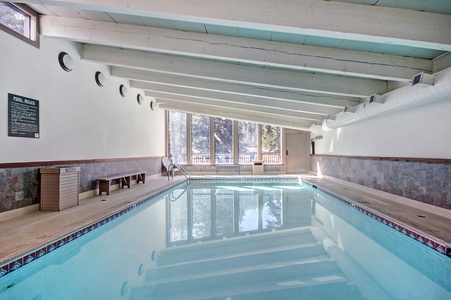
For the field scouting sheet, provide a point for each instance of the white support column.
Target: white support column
(283, 147)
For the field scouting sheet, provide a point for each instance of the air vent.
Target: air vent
(349, 109)
(330, 117)
(374, 98)
(423, 80)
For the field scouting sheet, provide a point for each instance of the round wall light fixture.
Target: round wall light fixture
(152, 105)
(140, 99)
(123, 90)
(66, 62)
(100, 79)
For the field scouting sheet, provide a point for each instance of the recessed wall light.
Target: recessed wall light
(123, 90)
(100, 79)
(66, 62)
(140, 99)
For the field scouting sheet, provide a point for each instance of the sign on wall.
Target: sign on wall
(23, 117)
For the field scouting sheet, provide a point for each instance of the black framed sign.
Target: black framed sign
(23, 116)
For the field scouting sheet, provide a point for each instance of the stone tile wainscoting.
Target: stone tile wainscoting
(425, 180)
(20, 184)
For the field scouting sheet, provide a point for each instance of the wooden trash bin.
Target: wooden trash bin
(59, 188)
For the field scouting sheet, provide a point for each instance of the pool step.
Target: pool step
(240, 259)
(301, 274)
(230, 246)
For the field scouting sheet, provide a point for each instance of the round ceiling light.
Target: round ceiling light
(100, 79)
(66, 62)
(123, 90)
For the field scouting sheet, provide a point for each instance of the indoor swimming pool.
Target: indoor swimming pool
(234, 239)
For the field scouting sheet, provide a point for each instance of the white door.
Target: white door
(297, 149)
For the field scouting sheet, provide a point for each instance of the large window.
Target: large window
(247, 142)
(19, 21)
(223, 141)
(200, 139)
(177, 136)
(271, 144)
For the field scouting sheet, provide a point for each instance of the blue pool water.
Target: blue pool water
(237, 240)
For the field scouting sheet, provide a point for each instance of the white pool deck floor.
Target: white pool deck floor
(30, 231)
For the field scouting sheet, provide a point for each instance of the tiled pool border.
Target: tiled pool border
(437, 245)
(22, 260)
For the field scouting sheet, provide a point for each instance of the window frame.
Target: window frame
(34, 38)
(235, 142)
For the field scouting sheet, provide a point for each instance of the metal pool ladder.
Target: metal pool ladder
(172, 167)
(179, 168)
(184, 172)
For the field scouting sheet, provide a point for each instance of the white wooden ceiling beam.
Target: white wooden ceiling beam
(251, 100)
(256, 76)
(252, 104)
(318, 18)
(286, 122)
(234, 49)
(238, 106)
(147, 80)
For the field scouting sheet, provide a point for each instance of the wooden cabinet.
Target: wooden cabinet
(59, 188)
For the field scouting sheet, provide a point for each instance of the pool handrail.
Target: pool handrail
(172, 167)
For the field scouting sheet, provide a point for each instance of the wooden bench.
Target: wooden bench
(229, 168)
(124, 181)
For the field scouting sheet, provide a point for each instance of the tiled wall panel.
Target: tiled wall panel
(19, 186)
(426, 182)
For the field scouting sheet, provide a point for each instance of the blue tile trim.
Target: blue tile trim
(437, 245)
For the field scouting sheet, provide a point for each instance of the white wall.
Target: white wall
(78, 119)
(423, 132)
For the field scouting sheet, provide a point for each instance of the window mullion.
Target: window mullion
(212, 141)
(188, 139)
(259, 142)
(235, 142)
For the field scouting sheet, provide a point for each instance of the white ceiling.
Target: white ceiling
(283, 62)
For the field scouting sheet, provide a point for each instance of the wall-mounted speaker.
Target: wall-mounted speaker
(423, 80)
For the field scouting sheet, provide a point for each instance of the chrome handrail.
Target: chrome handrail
(185, 173)
(173, 167)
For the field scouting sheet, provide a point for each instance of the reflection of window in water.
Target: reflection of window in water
(219, 211)
(260, 210)
(178, 218)
(248, 211)
(224, 212)
(201, 213)
(272, 209)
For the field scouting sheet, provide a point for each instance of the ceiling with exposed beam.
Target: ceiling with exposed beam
(290, 63)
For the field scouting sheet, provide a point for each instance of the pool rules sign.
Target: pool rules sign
(23, 117)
